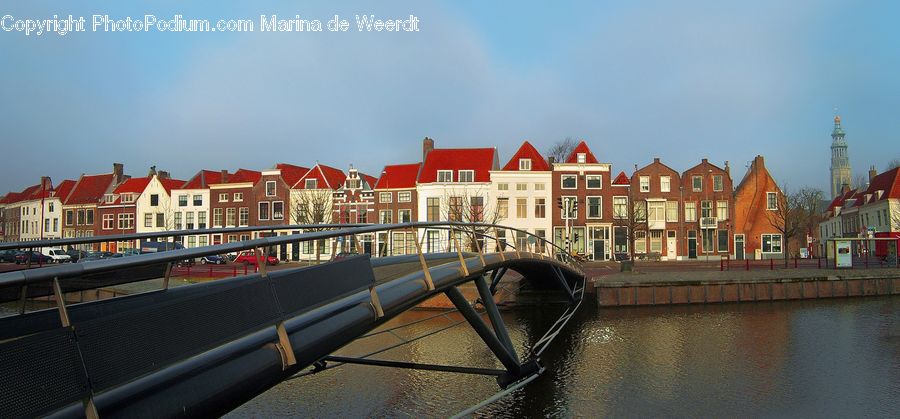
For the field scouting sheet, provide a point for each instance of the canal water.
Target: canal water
(825, 358)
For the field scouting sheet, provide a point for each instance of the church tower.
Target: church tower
(840, 161)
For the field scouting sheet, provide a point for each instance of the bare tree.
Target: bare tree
(471, 206)
(561, 149)
(311, 207)
(893, 164)
(860, 181)
(632, 219)
(796, 213)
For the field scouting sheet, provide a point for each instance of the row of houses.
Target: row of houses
(579, 203)
(865, 211)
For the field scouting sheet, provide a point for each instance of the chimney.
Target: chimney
(655, 160)
(224, 176)
(152, 171)
(163, 174)
(45, 183)
(427, 147)
(872, 174)
(728, 168)
(118, 173)
(845, 188)
(551, 160)
(704, 161)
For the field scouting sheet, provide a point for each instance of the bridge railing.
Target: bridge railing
(57, 278)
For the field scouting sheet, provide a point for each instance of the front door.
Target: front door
(599, 249)
(671, 250)
(692, 244)
(739, 247)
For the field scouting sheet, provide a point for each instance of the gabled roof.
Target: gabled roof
(63, 190)
(202, 180)
(291, 173)
(657, 161)
(888, 182)
(481, 160)
(169, 184)
(23, 195)
(621, 180)
(582, 147)
(89, 189)
(398, 176)
(133, 185)
(244, 175)
(326, 177)
(370, 180)
(527, 151)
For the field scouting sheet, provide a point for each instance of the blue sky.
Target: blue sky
(677, 80)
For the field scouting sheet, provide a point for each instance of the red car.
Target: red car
(249, 258)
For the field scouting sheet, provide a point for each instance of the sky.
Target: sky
(679, 80)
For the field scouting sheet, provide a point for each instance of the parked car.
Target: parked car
(89, 256)
(36, 257)
(344, 255)
(76, 254)
(620, 257)
(212, 260)
(8, 256)
(249, 258)
(56, 254)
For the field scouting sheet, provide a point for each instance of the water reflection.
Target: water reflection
(828, 358)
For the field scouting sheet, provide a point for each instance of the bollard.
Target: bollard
(795, 263)
(245, 269)
(210, 270)
(819, 263)
(771, 264)
(747, 263)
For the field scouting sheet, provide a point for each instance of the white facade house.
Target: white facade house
(41, 213)
(154, 208)
(522, 194)
(191, 206)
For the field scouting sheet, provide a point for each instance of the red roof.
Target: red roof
(169, 184)
(370, 180)
(888, 182)
(621, 180)
(244, 175)
(326, 177)
(527, 151)
(581, 148)
(398, 176)
(290, 173)
(89, 189)
(203, 179)
(133, 185)
(63, 190)
(24, 195)
(481, 160)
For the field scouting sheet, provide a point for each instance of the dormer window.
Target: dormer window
(466, 175)
(525, 164)
(126, 198)
(270, 188)
(582, 158)
(311, 184)
(445, 176)
(109, 198)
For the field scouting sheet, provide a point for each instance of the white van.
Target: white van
(57, 255)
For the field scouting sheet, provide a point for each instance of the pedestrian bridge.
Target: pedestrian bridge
(206, 348)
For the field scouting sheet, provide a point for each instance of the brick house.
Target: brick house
(708, 196)
(354, 202)
(755, 200)
(80, 209)
(230, 202)
(396, 197)
(655, 191)
(118, 213)
(524, 194)
(312, 198)
(582, 185)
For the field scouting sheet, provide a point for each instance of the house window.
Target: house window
(521, 207)
(717, 183)
(385, 197)
(690, 211)
(771, 201)
(656, 211)
(217, 217)
(671, 211)
(771, 243)
(148, 219)
(640, 242)
(721, 210)
(620, 207)
(177, 220)
(108, 221)
(352, 184)
(723, 241)
(189, 221)
(362, 217)
(645, 183)
(594, 181)
(476, 206)
(154, 200)
(706, 209)
(109, 198)
(656, 241)
(502, 186)
(521, 186)
(665, 184)
(433, 209)
(198, 200)
(405, 196)
(697, 183)
(270, 188)
(581, 158)
(201, 219)
(126, 221)
(278, 210)
(708, 240)
(445, 176)
(640, 211)
(466, 176)
(311, 184)
(243, 216)
(594, 207)
(160, 220)
(455, 209)
(182, 200)
(238, 197)
(230, 217)
(128, 198)
(384, 217)
(263, 211)
(223, 197)
(569, 181)
(540, 208)
(570, 204)
(89, 217)
(404, 215)
(524, 164)
(70, 217)
(502, 208)
(192, 241)
(539, 186)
